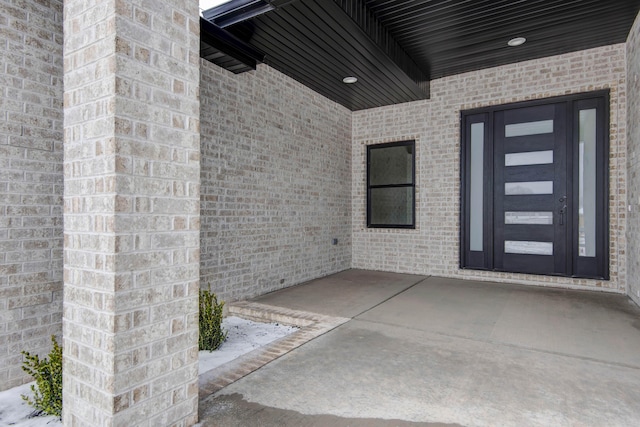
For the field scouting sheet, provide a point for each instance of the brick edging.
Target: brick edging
(312, 325)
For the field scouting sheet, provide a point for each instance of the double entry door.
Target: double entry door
(534, 187)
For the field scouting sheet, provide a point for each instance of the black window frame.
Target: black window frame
(412, 185)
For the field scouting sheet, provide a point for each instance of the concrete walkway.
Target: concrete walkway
(434, 351)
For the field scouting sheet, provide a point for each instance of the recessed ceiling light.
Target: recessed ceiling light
(517, 41)
(349, 80)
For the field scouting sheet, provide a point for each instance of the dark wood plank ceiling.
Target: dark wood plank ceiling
(395, 47)
(316, 43)
(446, 37)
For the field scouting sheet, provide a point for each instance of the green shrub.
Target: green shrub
(211, 333)
(47, 392)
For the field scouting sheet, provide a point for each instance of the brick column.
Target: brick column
(131, 212)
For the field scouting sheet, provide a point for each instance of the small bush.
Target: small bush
(47, 392)
(211, 332)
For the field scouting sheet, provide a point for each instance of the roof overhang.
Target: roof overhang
(333, 38)
(395, 47)
(219, 46)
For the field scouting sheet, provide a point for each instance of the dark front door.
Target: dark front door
(535, 187)
(531, 191)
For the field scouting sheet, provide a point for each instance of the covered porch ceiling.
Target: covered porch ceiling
(396, 47)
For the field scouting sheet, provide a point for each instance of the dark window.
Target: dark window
(391, 185)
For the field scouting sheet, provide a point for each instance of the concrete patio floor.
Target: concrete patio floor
(435, 351)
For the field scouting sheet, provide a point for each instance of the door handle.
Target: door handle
(561, 212)
(562, 199)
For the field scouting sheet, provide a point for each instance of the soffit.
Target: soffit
(395, 47)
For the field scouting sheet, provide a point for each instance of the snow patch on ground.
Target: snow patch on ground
(15, 412)
(243, 337)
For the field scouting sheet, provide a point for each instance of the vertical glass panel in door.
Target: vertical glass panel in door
(587, 184)
(476, 194)
(391, 165)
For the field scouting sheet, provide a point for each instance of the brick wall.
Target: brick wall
(30, 181)
(633, 161)
(276, 182)
(131, 212)
(433, 247)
